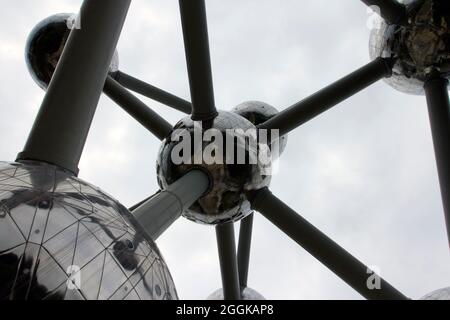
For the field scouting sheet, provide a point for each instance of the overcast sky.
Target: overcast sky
(363, 173)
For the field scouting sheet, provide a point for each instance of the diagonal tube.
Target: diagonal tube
(436, 90)
(152, 92)
(61, 128)
(328, 252)
(328, 97)
(137, 109)
(159, 212)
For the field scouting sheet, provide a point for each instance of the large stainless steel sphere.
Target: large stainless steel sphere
(420, 46)
(61, 238)
(441, 294)
(247, 294)
(257, 113)
(231, 178)
(45, 45)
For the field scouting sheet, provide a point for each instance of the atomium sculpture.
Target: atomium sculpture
(51, 221)
(227, 200)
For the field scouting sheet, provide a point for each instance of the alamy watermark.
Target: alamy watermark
(227, 147)
(74, 22)
(74, 280)
(374, 279)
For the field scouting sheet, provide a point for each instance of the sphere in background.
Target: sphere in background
(231, 178)
(420, 47)
(441, 294)
(63, 239)
(45, 45)
(247, 294)
(257, 113)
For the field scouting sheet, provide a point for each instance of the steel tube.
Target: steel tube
(228, 262)
(332, 95)
(137, 109)
(244, 247)
(436, 90)
(62, 124)
(159, 212)
(195, 31)
(152, 92)
(328, 252)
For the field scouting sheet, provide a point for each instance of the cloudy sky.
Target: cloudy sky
(363, 173)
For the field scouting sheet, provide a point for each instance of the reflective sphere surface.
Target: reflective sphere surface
(45, 45)
(421, 46)
(257, 113)
(246, 294)
(441, 294)
(231, 178)
(63, 239)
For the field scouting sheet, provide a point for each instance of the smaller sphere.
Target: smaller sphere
(231, 178)
(45, 45)
(257, 113)
(420, 47)
(441, 294)
(247, 294)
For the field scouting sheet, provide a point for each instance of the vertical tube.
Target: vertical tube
(244, 247)
(436, 91)
(228, 262)
(195, 31)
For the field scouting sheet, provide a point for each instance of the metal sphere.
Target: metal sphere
(63, 239)
(421, 46)
(441, 294)
(247, 294)
(45, 45)
(257, 113)
(231, 179)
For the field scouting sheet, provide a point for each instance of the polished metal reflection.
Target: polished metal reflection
(441, 294)
(420, 46)
(227, 200)
(258, 112)
(52, 224)
(45, 45)
(247, 294)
